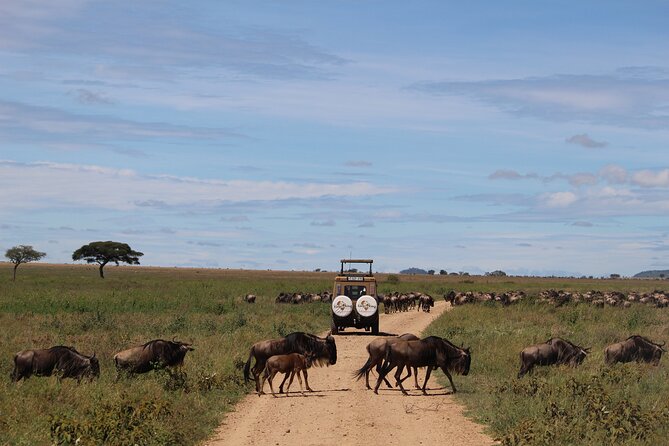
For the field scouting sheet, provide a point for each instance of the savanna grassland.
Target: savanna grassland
(70, 305)
(593, 404)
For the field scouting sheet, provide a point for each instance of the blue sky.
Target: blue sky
(525, 136)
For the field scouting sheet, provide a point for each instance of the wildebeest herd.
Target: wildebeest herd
(398, 302)
(657, 298)
(67, 362)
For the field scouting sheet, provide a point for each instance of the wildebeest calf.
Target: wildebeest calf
(291, 364)
(64, 361)
(154, 354)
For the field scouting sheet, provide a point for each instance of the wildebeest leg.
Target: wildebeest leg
(408, 373)
(378, 371)
(307, 382)
(427, 377)
(284, 382)
(299, 378)
(292, 375)
(262, 383)
(256, 375)
(397, 378)
(385, 369)
(415, 376)
(450, 379)
(271, 376)
(524, 370)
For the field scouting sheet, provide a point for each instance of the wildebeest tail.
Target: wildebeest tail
(386, 367)
(247, 366)
(363, 370)
(15, 373)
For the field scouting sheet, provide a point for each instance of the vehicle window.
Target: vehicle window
(355, 291)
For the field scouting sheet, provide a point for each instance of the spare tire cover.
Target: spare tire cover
(366, 305)
(342, 306)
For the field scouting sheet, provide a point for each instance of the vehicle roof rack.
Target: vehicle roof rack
(368, 261)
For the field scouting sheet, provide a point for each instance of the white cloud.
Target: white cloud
(559, 199)
(600, 99)
(650, 178)
(614, 174)
(51, 185)
(582, 179)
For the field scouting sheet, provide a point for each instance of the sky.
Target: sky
(523, 136)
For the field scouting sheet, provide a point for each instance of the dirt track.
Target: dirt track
(342, 411)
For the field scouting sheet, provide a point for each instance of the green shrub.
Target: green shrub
(121, 423)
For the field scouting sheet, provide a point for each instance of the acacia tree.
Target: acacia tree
(22, 254)
(105, 252)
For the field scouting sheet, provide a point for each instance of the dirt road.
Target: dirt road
(342, 411)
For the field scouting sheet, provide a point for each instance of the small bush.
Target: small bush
(122, 423)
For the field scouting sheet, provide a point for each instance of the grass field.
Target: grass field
(69, 305)
(50, 305)
(593, 404)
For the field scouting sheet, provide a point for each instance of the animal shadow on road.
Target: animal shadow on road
(414, 392)
(365, 333)
(317, 393)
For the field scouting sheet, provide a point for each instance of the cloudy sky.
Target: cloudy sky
(531, 137)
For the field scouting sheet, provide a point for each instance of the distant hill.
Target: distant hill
(659, 273)
(413, 271)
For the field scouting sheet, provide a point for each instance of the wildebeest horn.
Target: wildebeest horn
(329, 333)
(174, 339)
(662, 345)
(93, 355)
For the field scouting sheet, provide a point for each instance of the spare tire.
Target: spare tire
(342, 306)
(366, 306)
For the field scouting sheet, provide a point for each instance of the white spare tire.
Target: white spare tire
(342, 306)
(366, 306)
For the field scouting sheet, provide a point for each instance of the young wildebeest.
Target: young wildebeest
(152, 355)
(65, 362)
(377, 351)
(291, 364)
(324, 351)
(555, 351)
(432, 352)
(635, 348)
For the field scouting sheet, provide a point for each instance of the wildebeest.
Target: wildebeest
(635, 348)
(290, 365)
(324, 351)
(250, 298)
(555, 351)
(432, 352)
(377, 351)
(63, 361)
(425, 302)
(154, 354)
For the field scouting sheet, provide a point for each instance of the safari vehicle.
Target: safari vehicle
(355, 303)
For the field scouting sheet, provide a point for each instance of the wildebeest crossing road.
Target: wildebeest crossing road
(342, 411)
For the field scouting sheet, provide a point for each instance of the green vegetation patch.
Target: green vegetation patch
(592, 404)
(49, 306)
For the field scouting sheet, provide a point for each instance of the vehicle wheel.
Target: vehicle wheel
(375, 327)
(334, 329)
